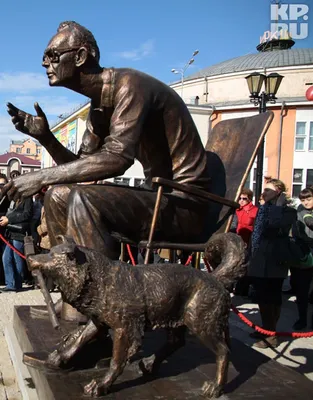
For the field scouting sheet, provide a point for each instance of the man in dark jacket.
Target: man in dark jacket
(17, 221)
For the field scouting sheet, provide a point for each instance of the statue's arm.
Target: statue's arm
(57, 151)
(37, 126)
(118, 151)
(115, 156)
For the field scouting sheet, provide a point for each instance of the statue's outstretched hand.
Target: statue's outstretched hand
(34, 125)
(23, 186)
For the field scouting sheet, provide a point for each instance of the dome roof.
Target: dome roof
(270, 59)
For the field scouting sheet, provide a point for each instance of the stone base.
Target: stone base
(251, 374)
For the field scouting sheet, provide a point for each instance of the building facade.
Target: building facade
(12, 161)
(220, 92)
(28, 147)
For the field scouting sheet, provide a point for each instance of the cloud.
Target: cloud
(22, 82)
(144, 50)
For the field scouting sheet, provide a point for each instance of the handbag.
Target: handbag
(306, 262)
(300, 254)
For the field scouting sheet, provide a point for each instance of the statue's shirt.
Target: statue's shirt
(142, 118)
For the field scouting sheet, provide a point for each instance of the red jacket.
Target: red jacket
(245, 217)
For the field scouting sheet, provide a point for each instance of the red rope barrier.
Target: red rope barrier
(189, 259)
(12, 247)
(130, 254)
(258, 328)
(270, 333)
(208, 266)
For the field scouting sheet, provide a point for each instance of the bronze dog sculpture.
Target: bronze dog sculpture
(127, 298)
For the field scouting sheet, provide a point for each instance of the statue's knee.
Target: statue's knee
(56, 194)
(76, 195)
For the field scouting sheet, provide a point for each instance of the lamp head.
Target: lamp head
(255, 82)
(272, 84)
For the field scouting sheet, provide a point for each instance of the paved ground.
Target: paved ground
(297, 354)
(8, 387)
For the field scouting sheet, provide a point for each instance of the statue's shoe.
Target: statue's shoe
(39, 360)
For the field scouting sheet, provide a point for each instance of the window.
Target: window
(297, 175)
(309, 177)
(297, 182)
(311, 136)
(138, 182)
(247, 183)
(38, 151)
(254, 181)
(122, 181)
(18, 150)
(28, 150)
(251, 180)
(300, 135)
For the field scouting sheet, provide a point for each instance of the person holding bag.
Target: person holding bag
(17, 223)
(267, 267)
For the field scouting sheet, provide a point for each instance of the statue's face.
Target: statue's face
(59, 59)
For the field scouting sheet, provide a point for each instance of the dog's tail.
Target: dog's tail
(226, 254)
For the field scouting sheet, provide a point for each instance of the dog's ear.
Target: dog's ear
(63, 239)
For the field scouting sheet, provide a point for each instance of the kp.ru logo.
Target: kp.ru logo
(295, 17)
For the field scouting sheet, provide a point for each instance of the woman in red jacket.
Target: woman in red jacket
(243, 226)
(246, 215)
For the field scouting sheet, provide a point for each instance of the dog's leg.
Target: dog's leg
(71, 344)
(175, 340)
(219, 345)
(121, 346)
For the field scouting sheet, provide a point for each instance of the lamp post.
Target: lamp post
(182, 71)
(255, 82)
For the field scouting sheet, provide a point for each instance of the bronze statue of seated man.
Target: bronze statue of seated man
(132, 116)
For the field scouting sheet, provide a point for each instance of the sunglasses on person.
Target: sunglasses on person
(243, 198)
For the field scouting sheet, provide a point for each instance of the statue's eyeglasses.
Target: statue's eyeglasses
(53, 55)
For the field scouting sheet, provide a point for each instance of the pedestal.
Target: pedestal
(251, 374)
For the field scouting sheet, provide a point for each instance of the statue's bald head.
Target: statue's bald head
(78, 35)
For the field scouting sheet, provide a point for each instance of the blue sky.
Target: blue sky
(152, 36)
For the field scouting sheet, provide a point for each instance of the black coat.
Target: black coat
(5, 203)
(21, 215)
(270, 258)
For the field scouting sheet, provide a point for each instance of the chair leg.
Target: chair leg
(197, 260)
(123, 251)
(153, 223)
(172, 259)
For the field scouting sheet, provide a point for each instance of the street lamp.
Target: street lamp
(182, 71)
(255, 82)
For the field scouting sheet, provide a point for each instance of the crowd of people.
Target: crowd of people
(18, 219)
(279, 239)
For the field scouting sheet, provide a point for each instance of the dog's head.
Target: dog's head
(65, 255)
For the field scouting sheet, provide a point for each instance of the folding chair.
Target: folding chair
(231, 150)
